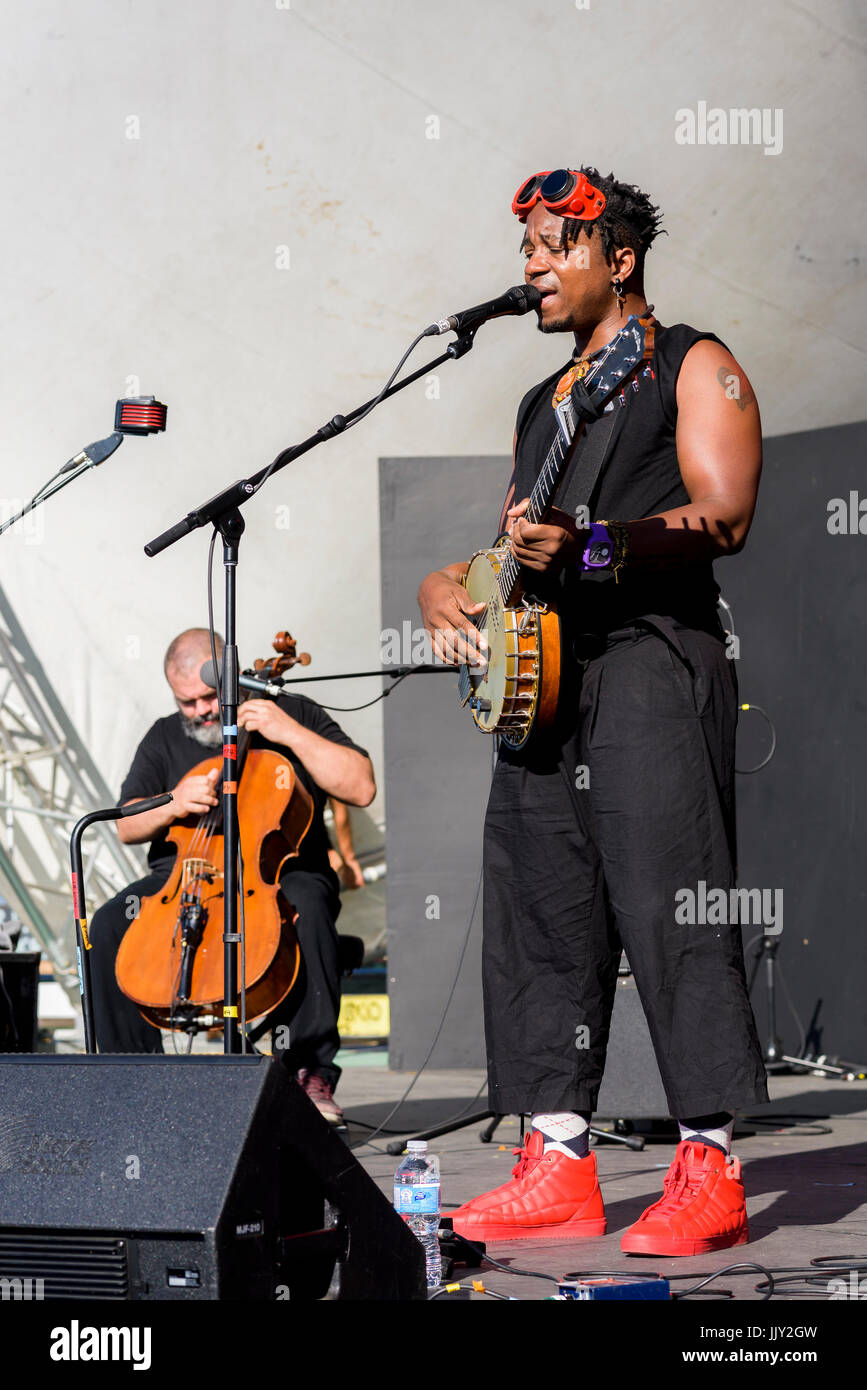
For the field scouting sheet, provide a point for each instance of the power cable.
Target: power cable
(396, 1107)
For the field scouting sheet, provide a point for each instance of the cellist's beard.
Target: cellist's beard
(211, 736)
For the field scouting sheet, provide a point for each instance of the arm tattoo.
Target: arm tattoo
(731, 385)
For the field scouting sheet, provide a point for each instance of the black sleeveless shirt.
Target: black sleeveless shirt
(640, 478)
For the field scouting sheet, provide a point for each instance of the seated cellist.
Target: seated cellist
(327, 763)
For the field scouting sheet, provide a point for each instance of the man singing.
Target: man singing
(595, 825)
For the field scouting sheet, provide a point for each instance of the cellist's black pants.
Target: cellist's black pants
(119, 1025)
(309, 1012)
(575, 873)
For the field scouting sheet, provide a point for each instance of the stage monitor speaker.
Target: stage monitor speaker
(167, 1178)
(631, 1086)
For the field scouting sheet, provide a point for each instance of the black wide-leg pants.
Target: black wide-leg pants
(309, 1013)
(589, 836)
(119, 1025)
(304, 1026)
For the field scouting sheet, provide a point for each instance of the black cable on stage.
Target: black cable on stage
(449, 1120)
(746, 771)
(721, 603)
(819, 1269)
(242, 921)
(475, 1287)
(791, 1003)
(511, 1269)
(800, 1124)
(814, 1275)
(211, 627)
(779, 969)
(741, 1266)
(783, 1275)
(364, 1124)
(348, 709)
(396, 1107)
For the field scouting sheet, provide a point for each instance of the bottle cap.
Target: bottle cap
(417, 1146)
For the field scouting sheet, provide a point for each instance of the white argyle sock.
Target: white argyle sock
(567, 1132)
(715, 1130)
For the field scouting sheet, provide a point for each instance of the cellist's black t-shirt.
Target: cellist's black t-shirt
(641, 478)
(167, 753)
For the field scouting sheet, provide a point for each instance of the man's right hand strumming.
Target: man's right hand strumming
(448, 614)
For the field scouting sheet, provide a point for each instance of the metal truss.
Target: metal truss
(48, 781)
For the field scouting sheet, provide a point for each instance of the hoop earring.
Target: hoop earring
(619, 293)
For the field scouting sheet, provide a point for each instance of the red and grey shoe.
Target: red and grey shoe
(322, 1095)
(702, 1206)
(550, 1197)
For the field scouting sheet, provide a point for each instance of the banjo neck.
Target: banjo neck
(569, 431)
(544, 489)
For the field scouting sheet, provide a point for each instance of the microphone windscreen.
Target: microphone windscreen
(208, 675)
(532, 297)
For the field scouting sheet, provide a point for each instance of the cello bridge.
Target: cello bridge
(198, 870)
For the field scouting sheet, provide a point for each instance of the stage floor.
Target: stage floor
(806, 1191)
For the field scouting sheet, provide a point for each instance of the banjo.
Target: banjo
(518, 690)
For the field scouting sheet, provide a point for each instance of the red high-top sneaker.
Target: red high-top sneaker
(702, 1206)
(550, 1197)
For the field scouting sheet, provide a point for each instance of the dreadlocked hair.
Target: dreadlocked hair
(630, 219)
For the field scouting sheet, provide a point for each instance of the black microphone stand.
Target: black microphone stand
(82, 939)
(773, 1054)
(222, 512)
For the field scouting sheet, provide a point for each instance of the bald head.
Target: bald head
(188, 651)
(197, 702)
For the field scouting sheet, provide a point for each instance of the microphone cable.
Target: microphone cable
(380, 1128)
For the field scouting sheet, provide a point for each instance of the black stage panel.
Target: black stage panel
(799, 595)
(433, 511)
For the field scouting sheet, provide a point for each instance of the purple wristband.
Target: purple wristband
(598, 550)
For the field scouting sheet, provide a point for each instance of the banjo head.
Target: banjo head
(490, 685)
(504, 699)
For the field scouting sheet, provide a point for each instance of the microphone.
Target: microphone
(520, 299)
(133, 415)
(208, 677)
(95, 453)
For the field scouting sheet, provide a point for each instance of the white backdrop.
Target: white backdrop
(161, 163)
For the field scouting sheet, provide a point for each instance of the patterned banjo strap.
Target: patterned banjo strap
(625, 354)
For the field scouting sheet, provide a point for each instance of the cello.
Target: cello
(170, 961)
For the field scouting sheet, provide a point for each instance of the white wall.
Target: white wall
(262, 126)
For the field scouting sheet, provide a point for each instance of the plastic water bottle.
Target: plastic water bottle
(417, 1200)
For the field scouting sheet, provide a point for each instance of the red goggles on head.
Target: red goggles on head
(564, 192)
